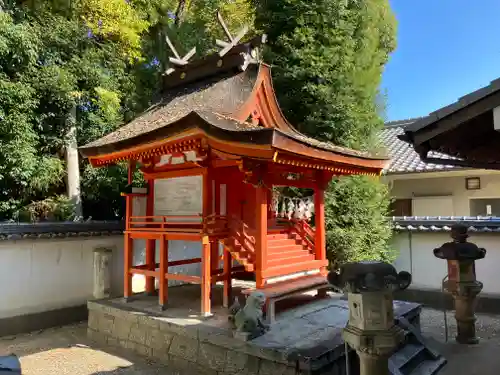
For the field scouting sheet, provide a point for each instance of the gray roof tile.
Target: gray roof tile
(404, 159)
(444, 223)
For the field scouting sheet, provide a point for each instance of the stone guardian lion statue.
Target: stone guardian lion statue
(248, 322)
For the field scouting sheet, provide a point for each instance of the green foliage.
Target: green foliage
(356, 222)
(327, 61)
(105, 58)
(115, 20)
(24, 171)
(328, 58)
(58, 208)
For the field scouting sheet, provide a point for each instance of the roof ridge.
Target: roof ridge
(403, 122)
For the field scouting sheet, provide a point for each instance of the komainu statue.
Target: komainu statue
(248, 322)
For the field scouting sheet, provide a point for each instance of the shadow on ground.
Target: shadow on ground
(66, 350)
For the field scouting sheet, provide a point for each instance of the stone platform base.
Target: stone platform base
(304, 340)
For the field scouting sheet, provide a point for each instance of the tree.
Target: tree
(102, 58)
(327, 58)
(25, 171)
(51, 62)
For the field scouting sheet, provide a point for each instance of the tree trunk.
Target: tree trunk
(72, 165)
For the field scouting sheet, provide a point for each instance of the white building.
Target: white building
(428, 199)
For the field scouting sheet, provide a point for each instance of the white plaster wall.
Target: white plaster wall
(454, 187)
(48, 274)
(415, 256)
(42, 275)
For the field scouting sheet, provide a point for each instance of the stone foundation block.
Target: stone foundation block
(159, 341)
(184, 349)
(213, 357)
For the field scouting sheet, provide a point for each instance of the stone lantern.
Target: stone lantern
(371, 330)
(462, 284)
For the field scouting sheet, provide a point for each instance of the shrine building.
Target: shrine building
(219, 129)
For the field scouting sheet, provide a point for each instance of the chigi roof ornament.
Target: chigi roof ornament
(235, 55)
(178, 60)
(233, 41)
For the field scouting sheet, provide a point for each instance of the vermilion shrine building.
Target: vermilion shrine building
(219, 121)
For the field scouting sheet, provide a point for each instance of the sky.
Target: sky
(446, 49)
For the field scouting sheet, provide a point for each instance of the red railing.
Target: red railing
(240, 241)
(212, 225)
(305, 232)
(216, 225)
(166, 223)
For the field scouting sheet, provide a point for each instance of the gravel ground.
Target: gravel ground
(481, 359)
(66, 350)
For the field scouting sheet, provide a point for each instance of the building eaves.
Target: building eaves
(404, 158)
(444, 223)
(461, 103)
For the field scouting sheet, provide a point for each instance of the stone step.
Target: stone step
(408, 357)
(429, 367)
(416, 356)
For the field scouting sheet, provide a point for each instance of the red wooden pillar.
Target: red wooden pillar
(150, 244)
(205, 277)
(228, 281)
(128, 241)
(215, 257)
(208, 209)
(206, 245)
(163, 281)
(319, 214)
(260, 235)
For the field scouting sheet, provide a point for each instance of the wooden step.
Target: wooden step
(293, 268)
(288, 260)
(278, 236)
(244, 258)
(280, 240)
(277, 230)
(284, 248)
(280, 255)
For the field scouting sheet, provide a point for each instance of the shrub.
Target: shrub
(357, 210)
(58, 208)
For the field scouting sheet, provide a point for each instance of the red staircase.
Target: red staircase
(288, 252)
(290, 249)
